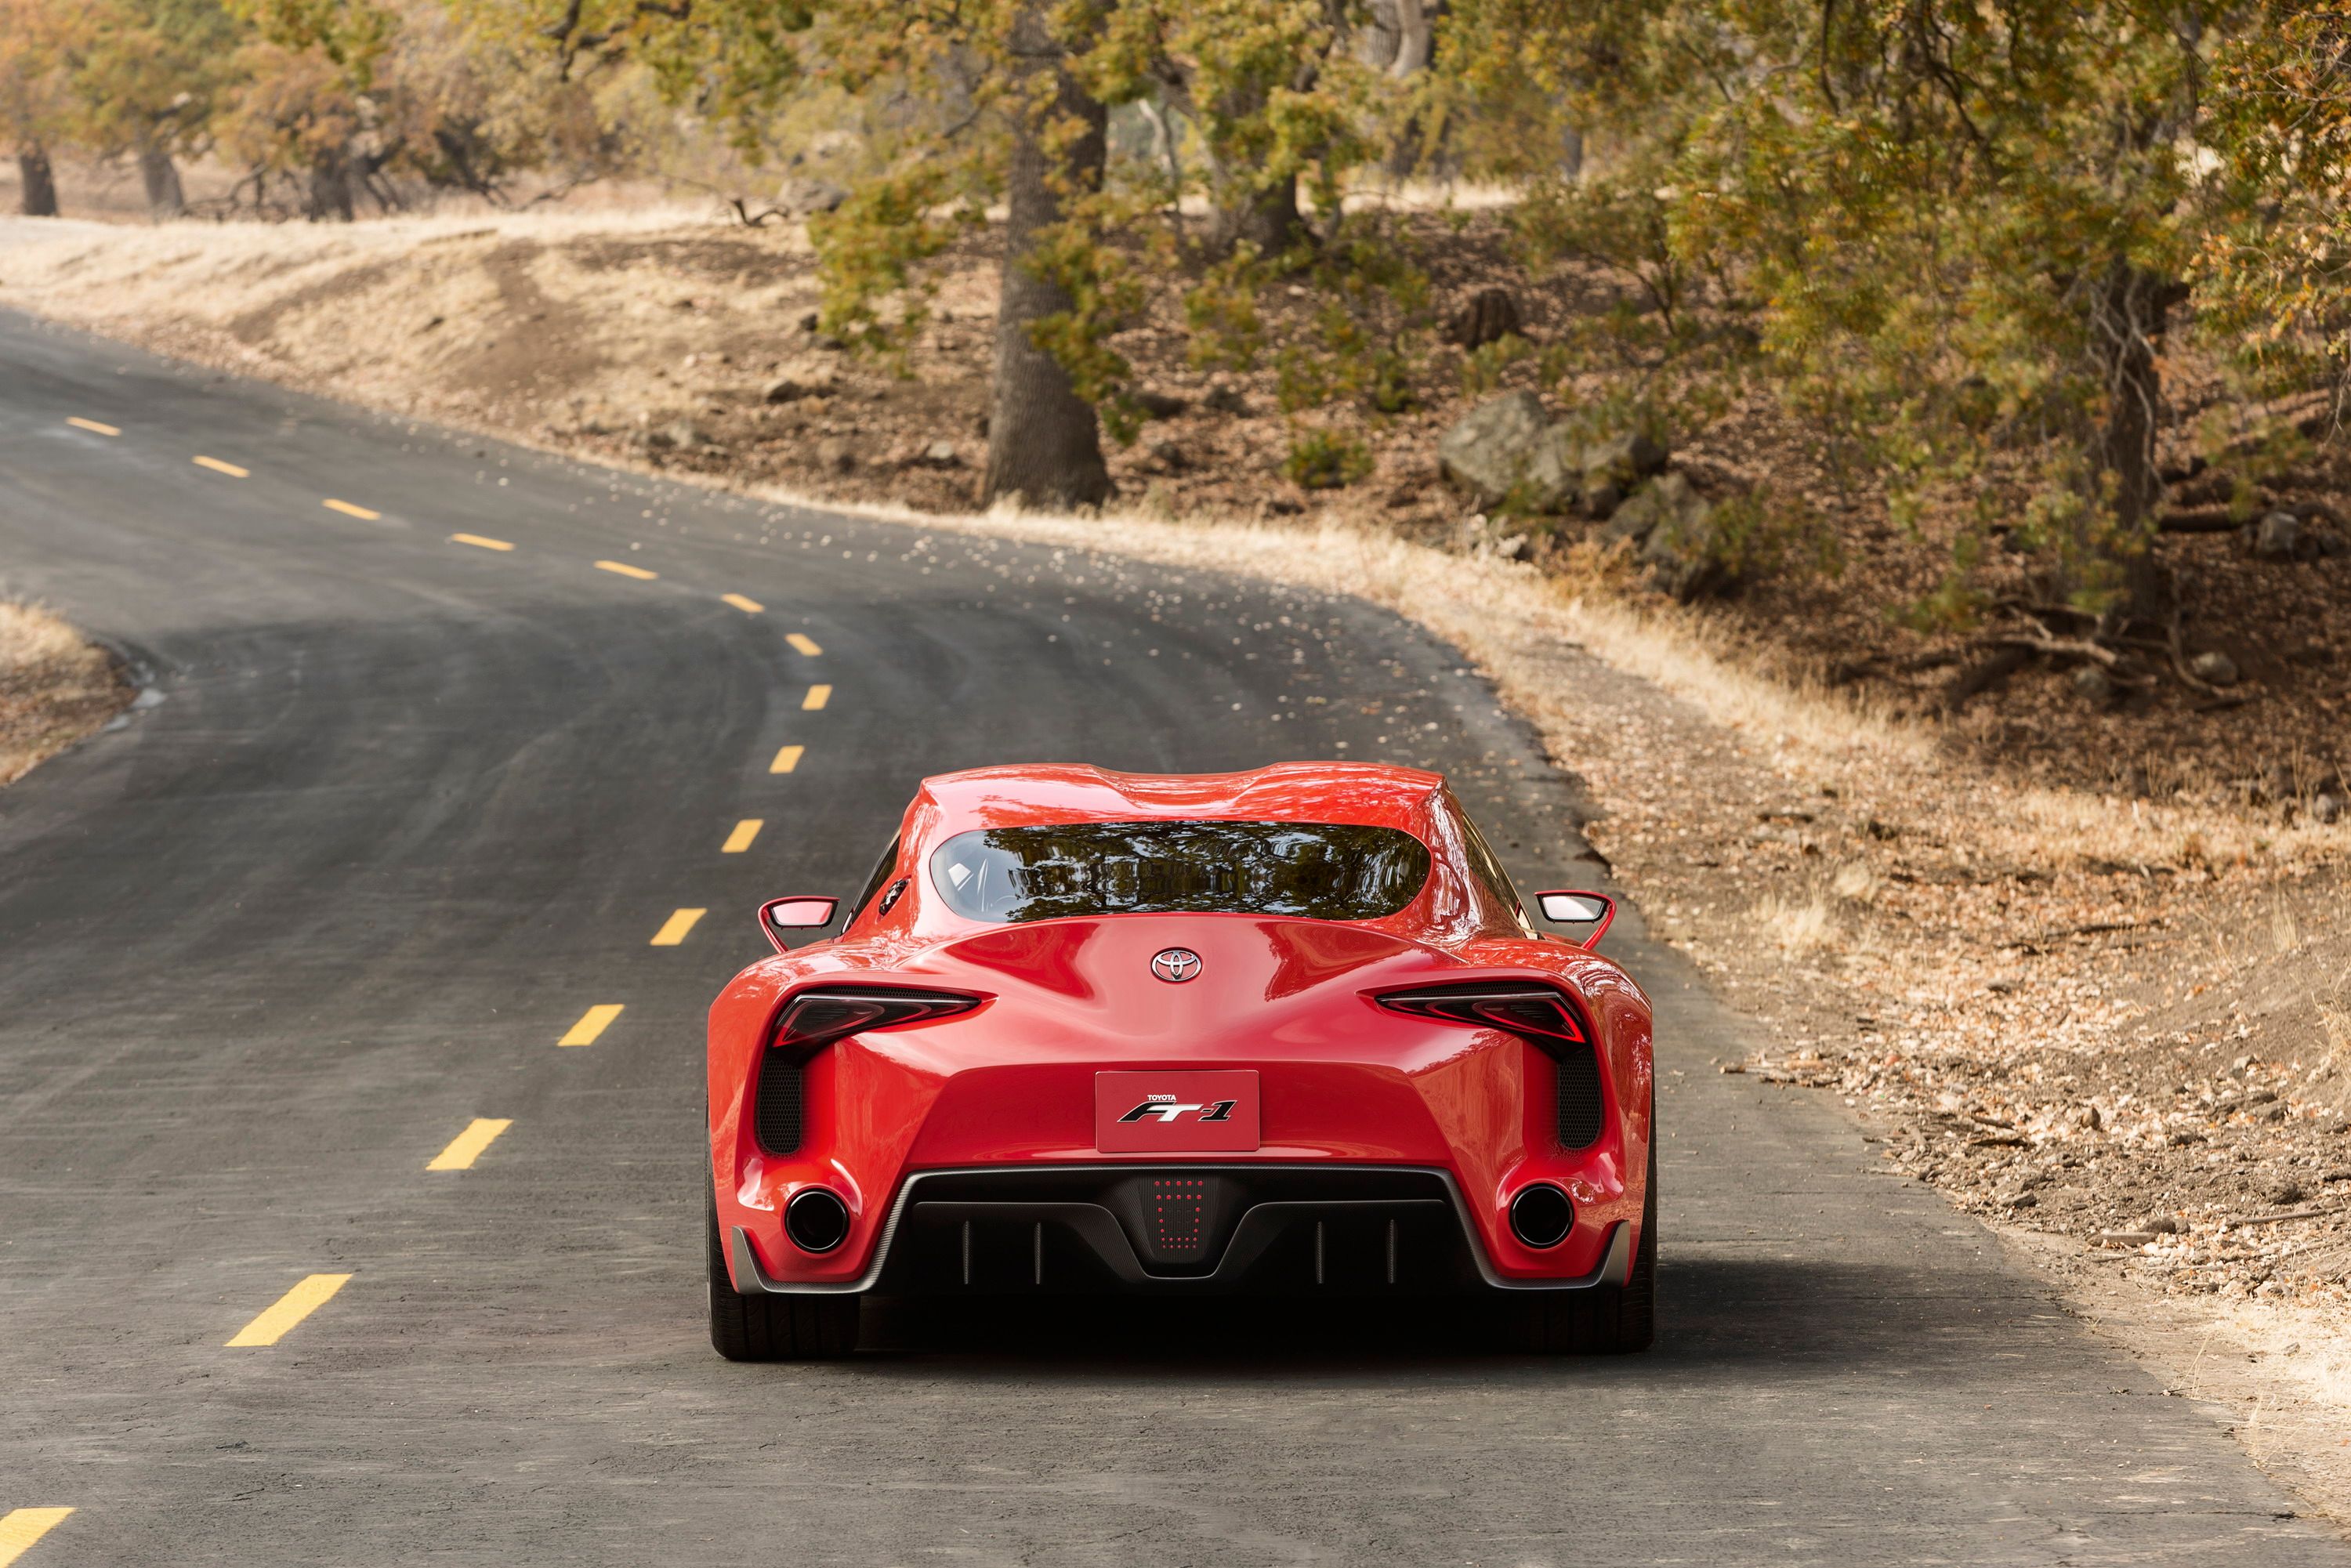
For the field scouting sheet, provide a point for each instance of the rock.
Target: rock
(2324, 810)
(1619, 462)
(940, 455)
(1170, 456)
(2160, 1225)
(2277, 537)
(1672, 527)
(2018, 1200)
(834, 456)
(681, 434)
(2286, 1193)
(809, 319)
(1506, 448)
(1486, 316)
(802, 195)
(1158, 405)
(2214, 669)
(1225, 399)
(802, 378)
(2087, 1118)
(2093, 684)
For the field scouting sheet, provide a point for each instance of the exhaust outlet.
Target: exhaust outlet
(816, 1220)
(1542, 1215)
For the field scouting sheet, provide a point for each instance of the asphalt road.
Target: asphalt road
(397, 811)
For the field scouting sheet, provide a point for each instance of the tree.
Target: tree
(2277, 272)
(34, 104)
(1011, 99)
(147, 78)
(1958, 230)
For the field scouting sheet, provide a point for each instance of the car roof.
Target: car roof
(1026, 796)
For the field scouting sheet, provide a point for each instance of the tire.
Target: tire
(1607, 1320)
(770, 1328)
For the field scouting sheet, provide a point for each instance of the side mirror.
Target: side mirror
(1593, 909)
(778, 915)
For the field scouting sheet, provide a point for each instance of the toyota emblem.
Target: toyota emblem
(1176, 965)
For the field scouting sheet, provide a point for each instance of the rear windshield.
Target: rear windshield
(1315, 871)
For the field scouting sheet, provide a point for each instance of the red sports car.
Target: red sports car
(1287, 1031)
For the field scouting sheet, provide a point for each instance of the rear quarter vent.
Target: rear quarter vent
(778, 1103)
(1580, 1106)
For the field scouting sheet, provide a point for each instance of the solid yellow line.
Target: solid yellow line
(467, 1146)
(362, 513)
(802, 644)
(217, 466)
(20, 1527)
(289, 1309)
(747, 606)
(740, 839)
(91, 424)
(787, 760)
(593, 1022)
(625, 570)
(478, 542)
(674, 928)
(817, 697)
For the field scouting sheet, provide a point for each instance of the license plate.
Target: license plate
(1174, 1113)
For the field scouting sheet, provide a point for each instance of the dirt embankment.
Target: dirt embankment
(2082, 968)
(55, 687)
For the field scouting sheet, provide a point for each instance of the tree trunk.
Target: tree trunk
(1265, 216)
(1268, 219)
(162, 177)
(330, 196)
(1044, 444)
(2117, 556)
(37, 180)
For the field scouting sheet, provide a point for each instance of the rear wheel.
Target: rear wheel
(770, 1328)
(1607, 1320)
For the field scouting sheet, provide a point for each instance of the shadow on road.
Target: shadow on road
(1792, 1314)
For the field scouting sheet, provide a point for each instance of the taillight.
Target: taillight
(814, 1020)
(1533, 1012)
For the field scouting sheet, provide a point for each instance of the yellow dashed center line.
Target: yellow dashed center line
(478, 542)
(747, 606)
(231, 469)
(289, 1309)
(625, 570)
(593, 1022)
(787, 760)
(96, 429)
(674, 928)
(21, 1526)
(740, 839)
(802, 644)
(467, 1146)
(817, 697)
(349, 510)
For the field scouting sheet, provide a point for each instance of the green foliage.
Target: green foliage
(1944, 228)
(872, 249)
(1323, 459)
(1482, 367)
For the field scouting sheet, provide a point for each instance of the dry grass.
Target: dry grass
(55, 687)
(1796, 926)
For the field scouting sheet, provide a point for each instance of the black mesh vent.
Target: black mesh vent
(1579, 1097)
(777, 1117)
